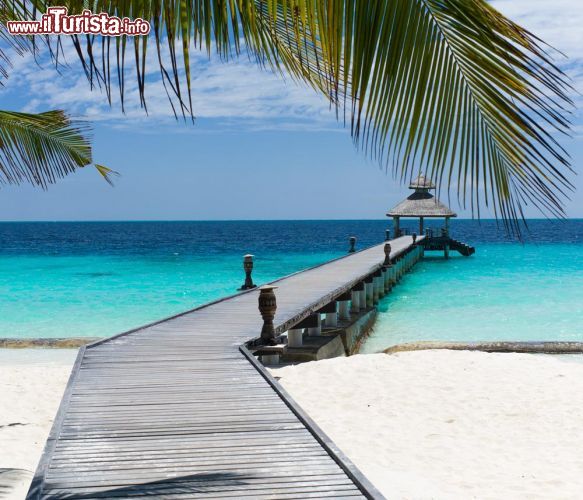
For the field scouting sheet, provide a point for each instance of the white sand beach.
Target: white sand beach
(32, 382)
(452, 424)
(426, 424)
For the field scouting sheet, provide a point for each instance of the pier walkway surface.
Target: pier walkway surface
(181, 409)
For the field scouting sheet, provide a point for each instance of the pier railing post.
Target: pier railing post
(248, 267)
(267, 308)
(352, 241)
(387, 234)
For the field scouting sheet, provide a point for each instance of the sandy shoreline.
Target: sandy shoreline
(32, 382)
(427, 424)
(452, 424)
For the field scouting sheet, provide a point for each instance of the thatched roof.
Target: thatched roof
(421, 182)
(421, 204)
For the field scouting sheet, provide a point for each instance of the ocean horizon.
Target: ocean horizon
(99, 278)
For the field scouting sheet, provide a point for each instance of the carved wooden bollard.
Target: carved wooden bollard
(414, 238)
(387, 261)
(352, 244)
(248, 267)
(267, 308)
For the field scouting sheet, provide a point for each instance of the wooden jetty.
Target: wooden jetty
(182, 408)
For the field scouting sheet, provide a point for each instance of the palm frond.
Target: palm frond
(20, 45)
(41, 148)
(449, 88)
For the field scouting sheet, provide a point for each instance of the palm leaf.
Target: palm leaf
(41, 148)
(449, 88)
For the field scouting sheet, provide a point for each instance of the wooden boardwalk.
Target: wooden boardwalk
(181, 409)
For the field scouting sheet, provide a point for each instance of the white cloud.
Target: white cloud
(225, 92)
(557, 22)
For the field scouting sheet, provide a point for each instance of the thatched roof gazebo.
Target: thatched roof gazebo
(421, 203)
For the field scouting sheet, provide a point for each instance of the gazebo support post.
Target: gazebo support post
(446, 246)
(396, 226)
(420, 225)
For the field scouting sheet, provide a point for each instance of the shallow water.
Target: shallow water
(98, 279)
(503, 292)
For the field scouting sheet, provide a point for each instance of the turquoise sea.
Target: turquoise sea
(100, 278)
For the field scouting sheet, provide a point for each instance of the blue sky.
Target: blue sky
(261, 148)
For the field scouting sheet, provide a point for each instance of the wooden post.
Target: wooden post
(396, 226)
(446, 245)
(248, 267)
(267, 308)
(387, 234)
(352, 240)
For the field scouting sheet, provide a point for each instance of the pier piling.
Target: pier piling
(369, 290)
(344, 306)
(354, 301)
(331, 314)
(295, 337)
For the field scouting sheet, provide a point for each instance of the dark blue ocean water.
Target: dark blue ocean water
(99, 278)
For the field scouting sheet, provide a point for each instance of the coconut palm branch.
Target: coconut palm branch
(41, 148)
(449, 88)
